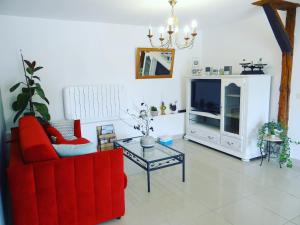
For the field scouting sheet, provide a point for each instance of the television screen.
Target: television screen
(206, 95)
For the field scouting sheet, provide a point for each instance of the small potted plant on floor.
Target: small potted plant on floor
(153, 111)
(274, 130)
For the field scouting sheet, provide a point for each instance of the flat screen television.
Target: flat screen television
(206, 95)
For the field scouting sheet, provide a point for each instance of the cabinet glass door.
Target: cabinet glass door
(232, 108)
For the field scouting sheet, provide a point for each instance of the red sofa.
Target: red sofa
(48, 190)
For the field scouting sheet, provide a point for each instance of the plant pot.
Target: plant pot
(154, 113)
(147, 141)
(273, 136)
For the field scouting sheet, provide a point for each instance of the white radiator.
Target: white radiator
(94, 103)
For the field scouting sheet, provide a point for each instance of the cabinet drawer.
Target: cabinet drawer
(195, 132)
(231, 143)
(204, 134)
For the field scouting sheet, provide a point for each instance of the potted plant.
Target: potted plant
(153, 111)
(143, 124)
(274, 129)
(31, 97)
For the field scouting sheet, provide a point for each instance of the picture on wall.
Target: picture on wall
(106, 136)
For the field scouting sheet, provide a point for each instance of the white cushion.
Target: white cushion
(65, 150)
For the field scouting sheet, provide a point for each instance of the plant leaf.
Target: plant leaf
(41, 93)
(31, 82)
(38, 68)
(33, 64)
(13, 88)
(19, 114)
(29, 91)
(23, 100)
(36, 77)
(28, 63)
(42, 109)
(29, 70)
(15, 106)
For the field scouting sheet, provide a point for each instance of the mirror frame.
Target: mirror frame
(138, 61)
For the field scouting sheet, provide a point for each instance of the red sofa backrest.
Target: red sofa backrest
(35, 144)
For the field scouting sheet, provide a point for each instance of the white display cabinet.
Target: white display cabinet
(233, 128)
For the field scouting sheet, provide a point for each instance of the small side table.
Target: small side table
(270, 148)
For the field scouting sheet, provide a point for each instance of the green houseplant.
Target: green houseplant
(272, 129)
(31, 97)
(153, 111)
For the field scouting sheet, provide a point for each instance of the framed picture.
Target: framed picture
(208, 70)
(106, 136)
(227, 70)
(196, 70)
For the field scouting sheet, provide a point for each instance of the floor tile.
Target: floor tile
(296, 220)
(280, 202)
(212, 219)
(246, 212)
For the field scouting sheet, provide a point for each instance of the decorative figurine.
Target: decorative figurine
(173, 107)
(163, 108)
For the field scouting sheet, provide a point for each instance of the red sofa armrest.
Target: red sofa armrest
(77, 129)
(87, 189)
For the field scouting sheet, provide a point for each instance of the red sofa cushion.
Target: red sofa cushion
(35, 144)
(53, 132)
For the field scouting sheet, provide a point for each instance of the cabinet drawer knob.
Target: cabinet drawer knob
(230, 143)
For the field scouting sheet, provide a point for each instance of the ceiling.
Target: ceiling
(135, 12)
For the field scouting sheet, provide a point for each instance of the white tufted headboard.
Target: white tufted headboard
(94, 103)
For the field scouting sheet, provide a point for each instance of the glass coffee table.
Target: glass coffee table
(150, 159)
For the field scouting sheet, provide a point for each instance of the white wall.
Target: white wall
(79, 53)
(252, 39)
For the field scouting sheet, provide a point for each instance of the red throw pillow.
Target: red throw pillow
(53, 132)
(59, 139)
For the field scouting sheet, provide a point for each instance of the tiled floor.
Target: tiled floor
(219, 190)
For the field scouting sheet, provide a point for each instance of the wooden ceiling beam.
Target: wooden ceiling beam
(278, 4)
(278, 28)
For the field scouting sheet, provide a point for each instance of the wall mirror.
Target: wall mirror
(154, 63)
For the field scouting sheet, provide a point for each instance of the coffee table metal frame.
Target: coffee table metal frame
(152, 165)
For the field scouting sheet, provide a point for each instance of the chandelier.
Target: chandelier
(168, 37)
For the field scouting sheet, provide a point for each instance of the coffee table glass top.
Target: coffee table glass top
(157, 152)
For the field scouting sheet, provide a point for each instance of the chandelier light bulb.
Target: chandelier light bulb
(176, 30)
(186, 30)
(194, 24)
(161, 30)
(171, 21)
